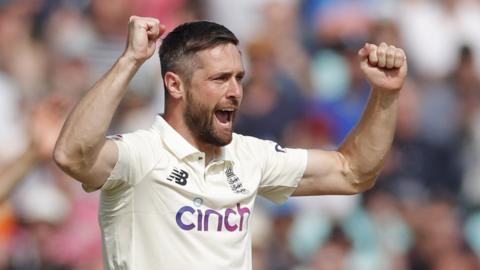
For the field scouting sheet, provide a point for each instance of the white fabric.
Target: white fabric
(12, 133)
(433, 34)
(195, 222)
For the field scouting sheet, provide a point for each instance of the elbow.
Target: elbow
(62, 159)
(67, 161)
(357, 181)
(363, 183)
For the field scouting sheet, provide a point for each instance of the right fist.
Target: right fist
(143, 33)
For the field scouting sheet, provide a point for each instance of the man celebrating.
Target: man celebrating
(180, 194)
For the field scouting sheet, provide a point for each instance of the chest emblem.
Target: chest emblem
(179, 176)
(234, 182)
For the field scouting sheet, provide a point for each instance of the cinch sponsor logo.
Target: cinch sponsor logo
(224, 220)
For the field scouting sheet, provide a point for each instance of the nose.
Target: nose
(235, 89)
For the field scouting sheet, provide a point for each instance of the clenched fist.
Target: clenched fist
(384, 66)
(143, 34)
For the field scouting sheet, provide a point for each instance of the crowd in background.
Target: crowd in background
(303, 89)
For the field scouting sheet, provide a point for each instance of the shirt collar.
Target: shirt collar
(178, 145)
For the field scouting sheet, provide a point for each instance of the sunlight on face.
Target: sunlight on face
(215, 94)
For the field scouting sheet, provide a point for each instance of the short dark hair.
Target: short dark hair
(186, 40)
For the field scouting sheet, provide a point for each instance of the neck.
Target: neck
(176, 122)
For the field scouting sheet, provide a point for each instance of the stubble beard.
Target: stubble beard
(199, 119)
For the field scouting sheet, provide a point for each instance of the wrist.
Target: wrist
(385, 98)
(129, 62)
(383, 93)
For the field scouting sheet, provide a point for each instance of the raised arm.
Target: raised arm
(45, 123)
(82, 150)
(354, 167)
(14, 172)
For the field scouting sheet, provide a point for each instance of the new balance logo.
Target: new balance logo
(179, 176)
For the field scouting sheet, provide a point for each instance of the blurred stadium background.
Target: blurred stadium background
(304, 89)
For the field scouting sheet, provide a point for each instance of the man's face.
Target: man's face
(215, 94)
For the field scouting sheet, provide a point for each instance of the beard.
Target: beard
(199, 119)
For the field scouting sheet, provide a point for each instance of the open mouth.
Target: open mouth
(224, 116)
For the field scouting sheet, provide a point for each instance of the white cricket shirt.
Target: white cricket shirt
(164, 208)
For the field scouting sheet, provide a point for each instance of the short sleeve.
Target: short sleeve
(135, 159)
(282, 171)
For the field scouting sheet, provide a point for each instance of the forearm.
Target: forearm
(13, 173)
(358, 161)
(367, 146)
(84, 131)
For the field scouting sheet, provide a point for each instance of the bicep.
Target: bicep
(96, 176)
(326, 173)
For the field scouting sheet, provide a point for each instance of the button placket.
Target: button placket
(201, 162)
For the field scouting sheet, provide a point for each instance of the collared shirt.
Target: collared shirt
(163, 208)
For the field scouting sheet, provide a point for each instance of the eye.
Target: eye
(221, 78)
(239, 78)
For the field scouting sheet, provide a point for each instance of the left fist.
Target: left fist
(384, 66)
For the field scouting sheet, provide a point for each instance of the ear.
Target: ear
(174, 85)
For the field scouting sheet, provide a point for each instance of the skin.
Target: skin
(13, 173)
(45, 124)
(83, 152)
(215, 84)
(354, 167)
